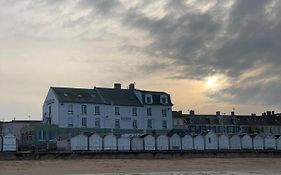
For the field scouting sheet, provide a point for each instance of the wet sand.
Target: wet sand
(207, 166)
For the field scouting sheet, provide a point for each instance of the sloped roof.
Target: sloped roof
(120, 97)
(77, 95)
(156, 97)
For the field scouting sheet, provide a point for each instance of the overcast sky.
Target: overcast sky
(209, 55)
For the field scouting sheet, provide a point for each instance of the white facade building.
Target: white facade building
(108, 108)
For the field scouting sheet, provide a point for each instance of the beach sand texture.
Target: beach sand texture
(207, 166)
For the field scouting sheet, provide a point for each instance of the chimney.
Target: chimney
(263, 114)
(192, 112)
(253, 115)
(180, 112)
(273, 112)
(268, 113)
(218, 113)
(117, 85)
(232, 113)
(132, 86)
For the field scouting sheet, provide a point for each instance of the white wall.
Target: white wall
(137, 143)
(79, 142)
(175, 142)
(95, 142)
(211, 141)
(223, 142)
(123, 143)
(187, 142)
(199, 142)
(110, 142)
(52, 101)
(149, 142)
(162, 142)
(9, 143)
(258, 142)
(247, 142)
(269, 142)
(235, 142)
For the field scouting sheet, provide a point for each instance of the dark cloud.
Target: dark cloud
(227, 40)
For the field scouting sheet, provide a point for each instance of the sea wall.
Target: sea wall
(139, 155)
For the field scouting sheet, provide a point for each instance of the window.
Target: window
(149, 123)
(84, 109)
(97, 110)
(164, 124)
(84, 122)
(135, 112)
(97, 123)
(117, 112)
(117, 123)
(164, 100)
(210, 140)
(149, 112)
(135, 124)
(70, 109)
(164, 112)
(148, 99)
(70, 122)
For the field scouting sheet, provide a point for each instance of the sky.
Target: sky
(210, 56)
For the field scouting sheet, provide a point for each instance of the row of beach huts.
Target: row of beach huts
(204, 141)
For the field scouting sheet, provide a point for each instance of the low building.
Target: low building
(258, 141)
(187, 142)
(95, 142)
(210, 140)
(175, 142)
(124, 143)
(199, 142)
(246, 141)
(269, 142)
(149, 142)
(223, 140)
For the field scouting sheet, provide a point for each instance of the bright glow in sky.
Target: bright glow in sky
(209, 56)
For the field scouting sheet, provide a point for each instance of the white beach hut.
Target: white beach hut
(199, 142)
(95, 142)
(278, 142)
(149, 142)
(223, 142)
(123, 143)
(258, 142)
(137, 143)
(211, 140)
(187, 142)
(246, 141)
(235, 142)
(162, 142)
(175, 142)
(79, 142)
(110, 142)
(269, 142)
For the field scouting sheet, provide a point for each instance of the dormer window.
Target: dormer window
(164, 99)
(148, 99)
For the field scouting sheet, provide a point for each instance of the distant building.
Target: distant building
(108, 108)
(268, 123)
(14, 127)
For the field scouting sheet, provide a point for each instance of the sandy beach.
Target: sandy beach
(206, 166)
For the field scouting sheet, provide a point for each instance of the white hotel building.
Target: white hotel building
(114, 108)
